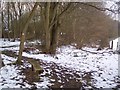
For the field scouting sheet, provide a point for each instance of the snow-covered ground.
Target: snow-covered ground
(103, 64)
(8, 43)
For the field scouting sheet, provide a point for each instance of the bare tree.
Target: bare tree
(24, 33)
(51, 13)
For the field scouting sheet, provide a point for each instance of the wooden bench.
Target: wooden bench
(35, 66)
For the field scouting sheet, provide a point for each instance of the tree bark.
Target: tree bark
(15, 26)
(74, 23)
(47, 30)
(54, 40)
(8, 25)
(55, 33)
(20, 14)
(2, 24)
(51, 14)
(1, 62)
(24, 34)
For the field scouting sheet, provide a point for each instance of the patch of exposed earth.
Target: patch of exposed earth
(57, 76)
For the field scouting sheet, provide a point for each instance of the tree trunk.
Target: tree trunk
(12, 27)
(2, 33)
(1, 62)
(15, 25)
(51, 30)
(24, 34)
(55, 33)
(51, 14)
(8, 21)
(74, 23)
(54, 40)
(47, 30)
(20, 14)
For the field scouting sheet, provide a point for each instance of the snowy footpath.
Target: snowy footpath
(68, 65)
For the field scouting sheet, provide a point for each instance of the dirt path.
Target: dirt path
(59, 77)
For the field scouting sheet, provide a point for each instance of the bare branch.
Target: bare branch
(60, 15)
(54, 12)
(102, 9)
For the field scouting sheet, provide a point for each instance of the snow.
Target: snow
(86, 62)
(44, 83)
(8, 43)
(103, 64)
(10, 77)
(7, 73)
(7, 60)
